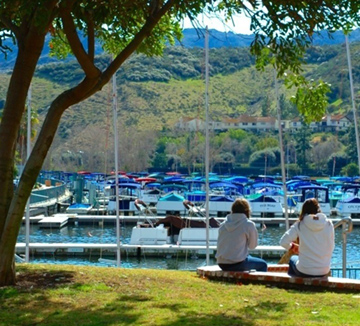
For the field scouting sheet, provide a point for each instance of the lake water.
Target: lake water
(107, 234)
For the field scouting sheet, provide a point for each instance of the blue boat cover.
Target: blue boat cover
(221, 198)
(355, 200)
(172, 197)
(263, 199)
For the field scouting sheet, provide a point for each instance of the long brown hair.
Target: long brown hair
(241, 205)
(310, 206)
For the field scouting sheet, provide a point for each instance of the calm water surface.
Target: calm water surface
(107, 234)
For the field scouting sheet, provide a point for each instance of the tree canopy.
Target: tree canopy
(282, 29)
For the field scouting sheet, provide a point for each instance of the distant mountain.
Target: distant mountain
(195, 38)
(192, 38)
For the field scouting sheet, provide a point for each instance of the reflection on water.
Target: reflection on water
(107, 234)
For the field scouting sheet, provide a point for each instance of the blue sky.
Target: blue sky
(239, 25)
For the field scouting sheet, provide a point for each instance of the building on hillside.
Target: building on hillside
(292, 125)
(328, 123)
(332, 123)
(266, 124)
(190, 124)
(245, 122)
(225, 124)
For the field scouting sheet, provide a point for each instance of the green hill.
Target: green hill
(153, 93)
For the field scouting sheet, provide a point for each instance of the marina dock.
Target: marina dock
(61, 220)
(109, 249)
(66, 249)
(58, 220)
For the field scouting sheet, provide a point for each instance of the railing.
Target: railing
(353, 273)
(347, 227)
(44, 196)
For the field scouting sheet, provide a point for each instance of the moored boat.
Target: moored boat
(349, 204)
(321, 193)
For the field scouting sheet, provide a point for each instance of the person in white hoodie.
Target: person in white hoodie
(237, 234)
(311, 238)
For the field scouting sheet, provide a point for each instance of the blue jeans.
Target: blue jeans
(293, 271)
(246, 265)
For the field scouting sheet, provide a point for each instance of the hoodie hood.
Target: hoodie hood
(234, 221)
(315, 222)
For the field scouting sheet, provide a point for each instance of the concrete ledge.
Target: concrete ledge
(277, 276)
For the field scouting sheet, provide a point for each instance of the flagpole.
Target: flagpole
(207, 143)
(353, 99)
(28, 149)
(282, 159)
(118, 256)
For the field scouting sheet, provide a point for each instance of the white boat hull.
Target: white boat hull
(325, 208)
(160, 236)
(129, 207)
(344, 208)
(197, 236)
(168, 207)
(217, 207)
(266, 208)
(149, 198)
(149, 236)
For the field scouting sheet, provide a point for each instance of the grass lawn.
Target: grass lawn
(82, 295)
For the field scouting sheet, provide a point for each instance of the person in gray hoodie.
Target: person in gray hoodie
(312, 241)
(238, 234)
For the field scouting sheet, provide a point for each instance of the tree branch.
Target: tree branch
(7, 23)
(149, 25)
(85, 60)
(91, 37)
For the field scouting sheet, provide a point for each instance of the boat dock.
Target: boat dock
(61, 220)
(58, 220)
(84, 249)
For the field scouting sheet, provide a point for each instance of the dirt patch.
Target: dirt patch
(33, 280)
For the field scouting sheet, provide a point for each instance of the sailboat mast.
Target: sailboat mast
(118, 256)
(28, 149)
(207, 147)
(353, 99)
(282, 159)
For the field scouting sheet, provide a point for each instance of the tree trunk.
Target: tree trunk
(30, 43)
(7, 267)
(12, 206)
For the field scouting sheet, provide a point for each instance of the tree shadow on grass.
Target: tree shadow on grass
(123, 310)
(38, 306)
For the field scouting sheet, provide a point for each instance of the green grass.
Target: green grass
(78, 295)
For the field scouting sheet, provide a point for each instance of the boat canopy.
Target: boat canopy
(152, 185)
(221, 199)
(265, 185)
(239, 179)
(170, 187)
(127, 185)
(173, 180)
(263, 199)
(222, 185)
(321, 193)
(294, 184)
(172, 197)
(145, 179)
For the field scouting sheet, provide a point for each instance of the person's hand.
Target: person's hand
(294, 248)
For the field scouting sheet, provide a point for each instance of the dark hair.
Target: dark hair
(310, 206)
(241, 205)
